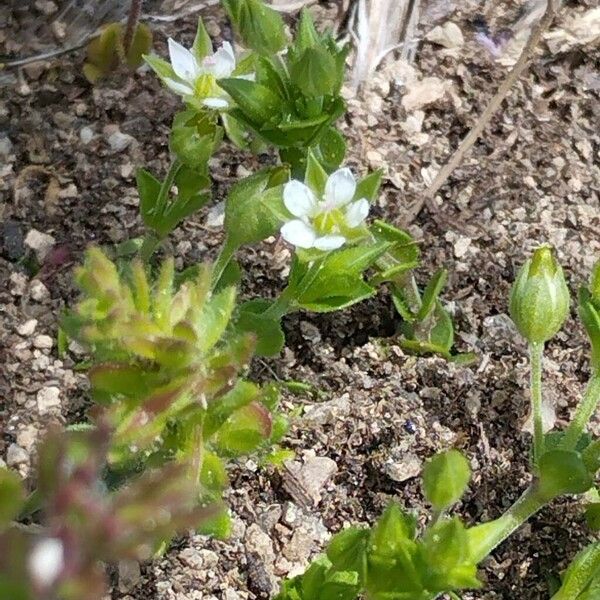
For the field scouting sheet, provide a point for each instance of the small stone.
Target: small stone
(129, 574)
(43, 342)
(305, 481)
(86, 135)
(191, 558)
(403, 468)
(461, 246)
(448, 35)
(13, 242)
(28, 437)
(46, 7)
(6, 146)
(15, 455)
(27, 328)
(38, 291)
(40, 243)
(48, 399)
(18, 284)
(119, 141)
(70, 191)
(216, 215)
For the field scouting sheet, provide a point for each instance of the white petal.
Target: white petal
(340, 188)
(357, 212)
(299, 199)
(222, 62)
(298, 233)
(183, 62)
(178, 87)
(215, 102)
(46, 561)
(329, 242)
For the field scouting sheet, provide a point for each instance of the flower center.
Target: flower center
(329, 221)
(205, 86)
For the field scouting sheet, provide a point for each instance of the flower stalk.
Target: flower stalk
(536, 351)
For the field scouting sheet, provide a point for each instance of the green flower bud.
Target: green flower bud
(589, 313)
(539, 300)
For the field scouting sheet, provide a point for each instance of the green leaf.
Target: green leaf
(347, 551)
(140, 44)
(215, 318)
(104, 51)
(149, 190)
(270, 338)
(316, 176)
(257, 102)
(445, 479)
(445, 545)
(562, 472)
(245, 430)
(584, 568)
(260, 27)
(339, 282)
(113, 379)
(242, 394)
(402, 256)
(12, 496)
(254, 209)
(306, 36)
(202, 46)
(213, 474)
(315, 72)
(331, 148)
(431, 293)
(592, 516)
(368, 188)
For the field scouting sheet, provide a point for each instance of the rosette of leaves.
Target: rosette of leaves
(166, 365)
(82, 524)
(294, 98)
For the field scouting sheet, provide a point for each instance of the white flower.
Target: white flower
(46, 561)
(324, 223)
(198, 78)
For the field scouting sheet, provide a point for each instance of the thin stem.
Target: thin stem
(485, 537)
(536, 352)
(285, 303)
(152, 239)
(583, 414)
(133, 18)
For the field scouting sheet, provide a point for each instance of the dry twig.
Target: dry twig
(485, 117)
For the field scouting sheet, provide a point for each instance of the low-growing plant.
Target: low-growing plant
(396, 559)
(169, 352)
(286, 95)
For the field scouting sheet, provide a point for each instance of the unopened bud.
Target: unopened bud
(539, 300)
(46, 562)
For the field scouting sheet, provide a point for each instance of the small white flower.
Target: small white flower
(324, 223)
(198, 78)
(46, 562)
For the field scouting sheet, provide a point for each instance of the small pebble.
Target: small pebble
(43, 342)
(27, 328)
(15, 455)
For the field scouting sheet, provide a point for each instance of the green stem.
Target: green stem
(485, 537)
(536, 352)
(152, 239)
(583, 414)
(198, 459)
(286, 301)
